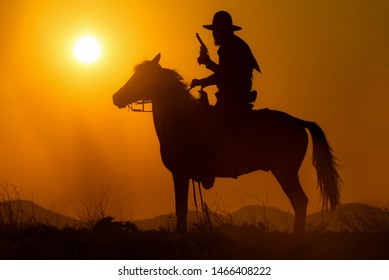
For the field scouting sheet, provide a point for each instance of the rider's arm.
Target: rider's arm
(208, 81)
(212, 66)
(211, 80)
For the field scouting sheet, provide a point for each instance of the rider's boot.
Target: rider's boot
(208, 182)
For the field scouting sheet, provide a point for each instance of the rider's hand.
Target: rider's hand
(204, 58)
(195, 83)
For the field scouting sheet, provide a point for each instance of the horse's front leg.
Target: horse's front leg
(181, 187)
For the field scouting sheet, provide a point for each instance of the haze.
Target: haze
(63, 140)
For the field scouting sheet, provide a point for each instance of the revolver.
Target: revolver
(203, 51)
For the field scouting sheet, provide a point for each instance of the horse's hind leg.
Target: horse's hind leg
(290, 183)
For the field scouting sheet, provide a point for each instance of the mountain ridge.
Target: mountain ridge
(18, 211)
(347, 217)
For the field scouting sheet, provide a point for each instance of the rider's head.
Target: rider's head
(222, 27)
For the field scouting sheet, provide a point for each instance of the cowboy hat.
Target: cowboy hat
(222, 20)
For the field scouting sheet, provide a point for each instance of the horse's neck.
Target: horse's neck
(171, 113)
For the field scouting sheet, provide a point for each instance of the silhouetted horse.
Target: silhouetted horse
(196, 141)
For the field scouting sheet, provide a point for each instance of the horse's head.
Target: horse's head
(142, 84)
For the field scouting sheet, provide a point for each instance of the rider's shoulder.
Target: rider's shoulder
(238, 44)
(239, 41)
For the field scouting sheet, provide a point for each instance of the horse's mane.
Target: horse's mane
(177, 81)
(176, 77)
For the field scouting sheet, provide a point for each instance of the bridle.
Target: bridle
(142, 109)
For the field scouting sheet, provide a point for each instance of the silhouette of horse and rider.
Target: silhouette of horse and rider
(229, 139)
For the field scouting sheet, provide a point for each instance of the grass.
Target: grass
(92, 211)
(109, 239)
(99, 236)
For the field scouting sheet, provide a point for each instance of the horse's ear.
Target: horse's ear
(156, 59)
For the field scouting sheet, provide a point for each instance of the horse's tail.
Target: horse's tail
(324, 161)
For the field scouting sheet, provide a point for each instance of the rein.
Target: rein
(195, 199)
(204, 206)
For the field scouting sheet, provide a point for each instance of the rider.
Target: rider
(233, 74)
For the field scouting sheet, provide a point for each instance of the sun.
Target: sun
(87, 49)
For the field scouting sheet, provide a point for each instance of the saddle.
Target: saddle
(249, 99)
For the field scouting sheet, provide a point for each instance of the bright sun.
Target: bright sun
(87, 49)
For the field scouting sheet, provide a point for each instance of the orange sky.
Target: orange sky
(63, 139)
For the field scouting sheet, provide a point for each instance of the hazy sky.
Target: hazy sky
(62, 140)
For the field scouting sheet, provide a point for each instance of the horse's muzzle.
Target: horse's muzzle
(118, 104)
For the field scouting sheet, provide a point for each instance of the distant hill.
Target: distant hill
(347, 217)
(167, 221)
(16, 212)
(273, 218)
(351, 217)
